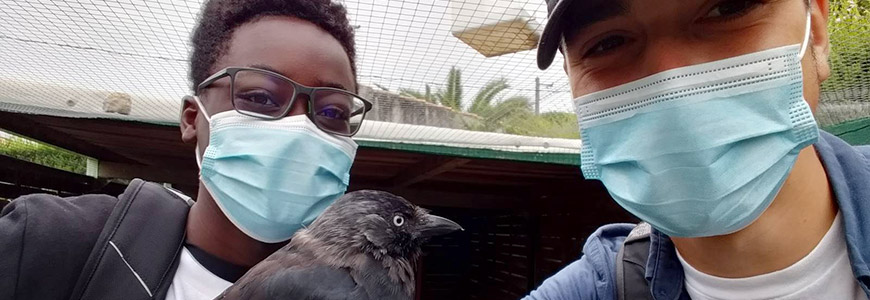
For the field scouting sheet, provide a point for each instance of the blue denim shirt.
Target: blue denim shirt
(593, 276)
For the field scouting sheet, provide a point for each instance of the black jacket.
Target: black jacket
(92, 246)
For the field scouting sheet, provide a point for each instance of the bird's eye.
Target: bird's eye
(398, 221)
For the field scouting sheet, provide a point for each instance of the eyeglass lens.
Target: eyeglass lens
(264, 95)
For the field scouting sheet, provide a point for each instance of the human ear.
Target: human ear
(819, 39)
(187, 124)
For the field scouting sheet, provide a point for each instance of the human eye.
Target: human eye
(332, 112)
(606, 45)
(730, 9)
(259, 97)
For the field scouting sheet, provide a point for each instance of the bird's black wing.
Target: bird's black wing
(313, 282)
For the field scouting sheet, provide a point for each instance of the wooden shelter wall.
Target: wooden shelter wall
(19, 177)
(504, 254)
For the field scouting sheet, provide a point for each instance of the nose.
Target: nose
(668, 53)
(300, 106)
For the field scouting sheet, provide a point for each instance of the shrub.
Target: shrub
(42, 154)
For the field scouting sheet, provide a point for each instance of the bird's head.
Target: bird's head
(379, 223)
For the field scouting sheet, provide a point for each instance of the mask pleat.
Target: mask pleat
(271, 177)
(699, 150)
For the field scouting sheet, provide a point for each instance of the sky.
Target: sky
(141, 48)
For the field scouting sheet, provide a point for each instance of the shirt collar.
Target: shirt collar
(663, 270)
(848, 172)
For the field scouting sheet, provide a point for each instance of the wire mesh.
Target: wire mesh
(127, 59)
(846, 94)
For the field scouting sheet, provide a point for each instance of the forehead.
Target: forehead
(294, 47)
(608, 43)
(582, 13)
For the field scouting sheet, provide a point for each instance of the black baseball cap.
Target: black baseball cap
(552, 36)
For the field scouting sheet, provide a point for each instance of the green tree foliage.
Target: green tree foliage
(550, 124)
(497, 113)
(427, 95)
(511, 115)
(849, 29)
(487, 103)
(482, 102)
(43, 154)
(500, 116)
(451, 95)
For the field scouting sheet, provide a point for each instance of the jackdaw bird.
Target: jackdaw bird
(362, 247)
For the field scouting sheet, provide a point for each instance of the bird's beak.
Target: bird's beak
(438, 226)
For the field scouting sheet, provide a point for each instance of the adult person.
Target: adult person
(271, 115)
(697, 117)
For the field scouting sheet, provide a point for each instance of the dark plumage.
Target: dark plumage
(362, 247)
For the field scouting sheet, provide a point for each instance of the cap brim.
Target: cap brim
(552, 35)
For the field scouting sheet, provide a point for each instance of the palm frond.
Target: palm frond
(509, 107)
(451, 96)
(426, 96)
(483, 99)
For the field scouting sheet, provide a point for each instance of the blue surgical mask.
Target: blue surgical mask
(700, 150)
(271, 178)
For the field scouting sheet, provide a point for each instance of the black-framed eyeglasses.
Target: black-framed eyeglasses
(268, 95)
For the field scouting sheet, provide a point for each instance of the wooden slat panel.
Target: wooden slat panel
(492, 180)
(24, 125)
(18, 177)
(529, 173)
(492, 164)
(10, 191)
(425, 169)
(500, 257)
(132, 129)
(34, 175)
(364, 171)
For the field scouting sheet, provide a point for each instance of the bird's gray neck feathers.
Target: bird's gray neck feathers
(348, 254)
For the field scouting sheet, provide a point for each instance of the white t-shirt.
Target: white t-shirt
(192, 281)
(825, 273)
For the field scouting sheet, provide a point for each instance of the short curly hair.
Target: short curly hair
(219, 19)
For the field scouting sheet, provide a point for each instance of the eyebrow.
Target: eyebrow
(319, 83)
(581, 16)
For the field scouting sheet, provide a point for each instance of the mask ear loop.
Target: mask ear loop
(198, 157)
(806, 42)
(201, 108)
(208, 119)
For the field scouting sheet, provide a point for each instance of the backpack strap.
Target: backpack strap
(137, 250)
(631, 261)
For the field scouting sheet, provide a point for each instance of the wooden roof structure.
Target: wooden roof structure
(155, 152)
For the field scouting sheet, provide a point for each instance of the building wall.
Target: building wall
(390, 107)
